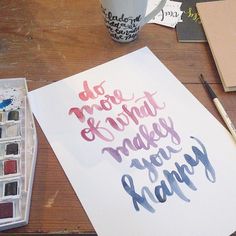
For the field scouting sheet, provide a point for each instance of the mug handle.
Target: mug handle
(154, 12)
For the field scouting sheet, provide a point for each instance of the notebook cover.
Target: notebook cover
(190, 29)
(219, 22)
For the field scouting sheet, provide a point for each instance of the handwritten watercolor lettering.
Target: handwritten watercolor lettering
(105, 104)
(145, 106)
(149, 108)
(89, 93)
(145, 139)
(95, 129)
(155, 161)
(173, 181)
(158, 137)
(145, 109)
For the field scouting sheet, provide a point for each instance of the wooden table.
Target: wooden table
(48, 40)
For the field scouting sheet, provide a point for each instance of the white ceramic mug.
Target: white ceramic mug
(124, 18)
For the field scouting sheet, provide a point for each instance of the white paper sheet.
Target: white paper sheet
(169, 16)
(177, 172)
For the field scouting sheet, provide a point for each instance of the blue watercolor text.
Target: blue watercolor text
(173, 180)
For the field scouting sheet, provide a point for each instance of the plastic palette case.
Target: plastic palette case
(18, 152)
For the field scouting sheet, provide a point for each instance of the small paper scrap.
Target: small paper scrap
(169, 16)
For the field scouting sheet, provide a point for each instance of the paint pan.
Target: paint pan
(10, 188)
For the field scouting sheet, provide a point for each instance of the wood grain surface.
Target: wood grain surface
(48, 40)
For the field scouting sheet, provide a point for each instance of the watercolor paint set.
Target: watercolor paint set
(18, 152)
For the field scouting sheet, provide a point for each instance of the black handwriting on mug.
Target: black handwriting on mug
(122, 27)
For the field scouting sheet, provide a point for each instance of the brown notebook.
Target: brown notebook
(219, 22)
